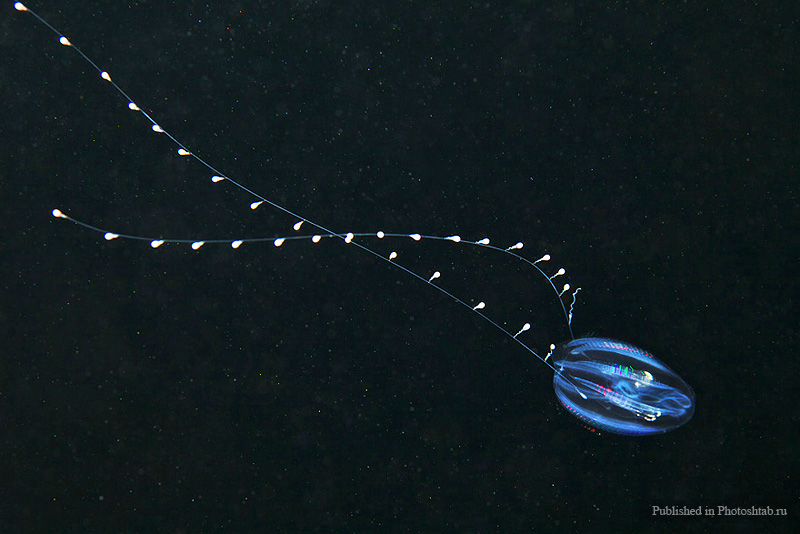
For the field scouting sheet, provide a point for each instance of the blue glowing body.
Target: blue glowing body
(617, 387)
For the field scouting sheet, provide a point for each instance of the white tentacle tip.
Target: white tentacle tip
(525, 328)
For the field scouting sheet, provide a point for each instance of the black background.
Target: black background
(651, 149)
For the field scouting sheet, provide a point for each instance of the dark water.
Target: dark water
(650, 149)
